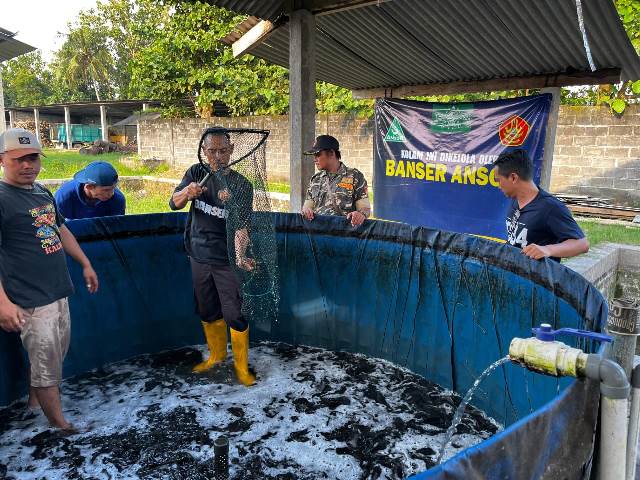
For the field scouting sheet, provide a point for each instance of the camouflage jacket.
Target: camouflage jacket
(338, 193)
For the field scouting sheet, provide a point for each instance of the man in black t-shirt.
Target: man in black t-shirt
(537, 222)
(34, 280)
(216, 285)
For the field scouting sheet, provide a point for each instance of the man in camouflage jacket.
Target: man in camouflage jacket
(335, 189)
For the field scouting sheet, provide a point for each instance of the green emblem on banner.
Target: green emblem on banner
(452, 118)
(395, 132)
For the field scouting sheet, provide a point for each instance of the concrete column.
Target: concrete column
(302, 103)
(36, 120)
(67, 126)
(103, 123)
(550, 136)
(12, 119)
(145, 107)
(3, 124)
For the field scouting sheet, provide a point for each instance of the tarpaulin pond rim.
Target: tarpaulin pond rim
(443, 305)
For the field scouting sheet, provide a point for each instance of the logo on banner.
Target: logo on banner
(452, 119)
(513, 131)
(395, 132)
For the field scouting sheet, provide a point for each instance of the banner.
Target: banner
(432, 161)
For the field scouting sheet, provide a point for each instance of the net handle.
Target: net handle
(224, 131)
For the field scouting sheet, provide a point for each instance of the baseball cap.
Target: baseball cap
(17, 142)
(101, 174)
(323, 142)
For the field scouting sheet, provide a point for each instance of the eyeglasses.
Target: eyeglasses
(219, 151)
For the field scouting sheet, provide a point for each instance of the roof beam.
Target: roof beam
(326, 7)
(254, 36)
(599, 77)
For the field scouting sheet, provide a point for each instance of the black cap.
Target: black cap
(323, 142)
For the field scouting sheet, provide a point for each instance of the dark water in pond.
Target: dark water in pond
(314, 414)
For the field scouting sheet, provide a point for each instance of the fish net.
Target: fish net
(236, 160)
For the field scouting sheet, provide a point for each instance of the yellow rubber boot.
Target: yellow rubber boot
(240, 346)
(216, 335)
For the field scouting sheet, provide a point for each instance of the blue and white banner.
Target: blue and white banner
(432, 161)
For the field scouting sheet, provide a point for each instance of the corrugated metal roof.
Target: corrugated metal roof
(409, 42)
(265, 9)
(10, 47)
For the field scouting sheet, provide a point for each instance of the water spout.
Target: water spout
(467, 398)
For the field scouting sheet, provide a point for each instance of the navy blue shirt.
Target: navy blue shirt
(72, 202)
(545, 220)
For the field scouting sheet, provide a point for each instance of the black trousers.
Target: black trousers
(217, 293)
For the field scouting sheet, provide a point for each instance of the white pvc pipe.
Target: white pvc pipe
(613, 439)
(632, 443)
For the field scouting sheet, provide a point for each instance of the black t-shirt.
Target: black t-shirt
(205, 235)
(545, 220)
(33, 265)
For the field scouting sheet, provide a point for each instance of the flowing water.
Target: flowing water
(467, 398)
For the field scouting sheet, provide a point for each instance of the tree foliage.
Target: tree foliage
(187, 59)
(84, 60)
(171, 50)
(26, 80)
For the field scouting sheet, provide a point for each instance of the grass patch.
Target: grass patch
(598, 232)
(63, 164)
(153, 198)
(279, 187)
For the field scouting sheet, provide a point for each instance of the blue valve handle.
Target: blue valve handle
(547, 334)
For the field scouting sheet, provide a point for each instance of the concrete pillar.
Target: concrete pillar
(67, 126)
(145, 107)
(103, 123)
(36, 120)
(550, 137)
(302, 103)
(12, 119)
(3, 124)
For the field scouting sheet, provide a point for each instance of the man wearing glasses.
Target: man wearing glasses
(93, 192)
(335, 189)
(225, 195)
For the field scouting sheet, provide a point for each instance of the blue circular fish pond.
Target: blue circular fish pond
(443, 305)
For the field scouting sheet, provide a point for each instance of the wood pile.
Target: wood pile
(587, 206)
(100, 146)
(45, 130)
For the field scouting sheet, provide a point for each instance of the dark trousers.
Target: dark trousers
(217, 293)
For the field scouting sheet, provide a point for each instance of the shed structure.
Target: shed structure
(403, 48)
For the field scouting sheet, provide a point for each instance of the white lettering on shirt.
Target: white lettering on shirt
(211, 209)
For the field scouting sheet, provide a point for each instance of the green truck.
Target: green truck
(80, 133)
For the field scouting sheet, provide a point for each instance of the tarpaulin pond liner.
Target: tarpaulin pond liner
(444, 305)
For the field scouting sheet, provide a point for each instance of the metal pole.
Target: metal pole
(634, 417)
(623, 324)
(221, 458)
(12, 119)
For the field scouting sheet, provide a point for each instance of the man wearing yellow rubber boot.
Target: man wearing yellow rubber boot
(216, 285)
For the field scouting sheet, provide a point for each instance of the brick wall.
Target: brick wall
(598, 154)
(176, 141)
(595, 153)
